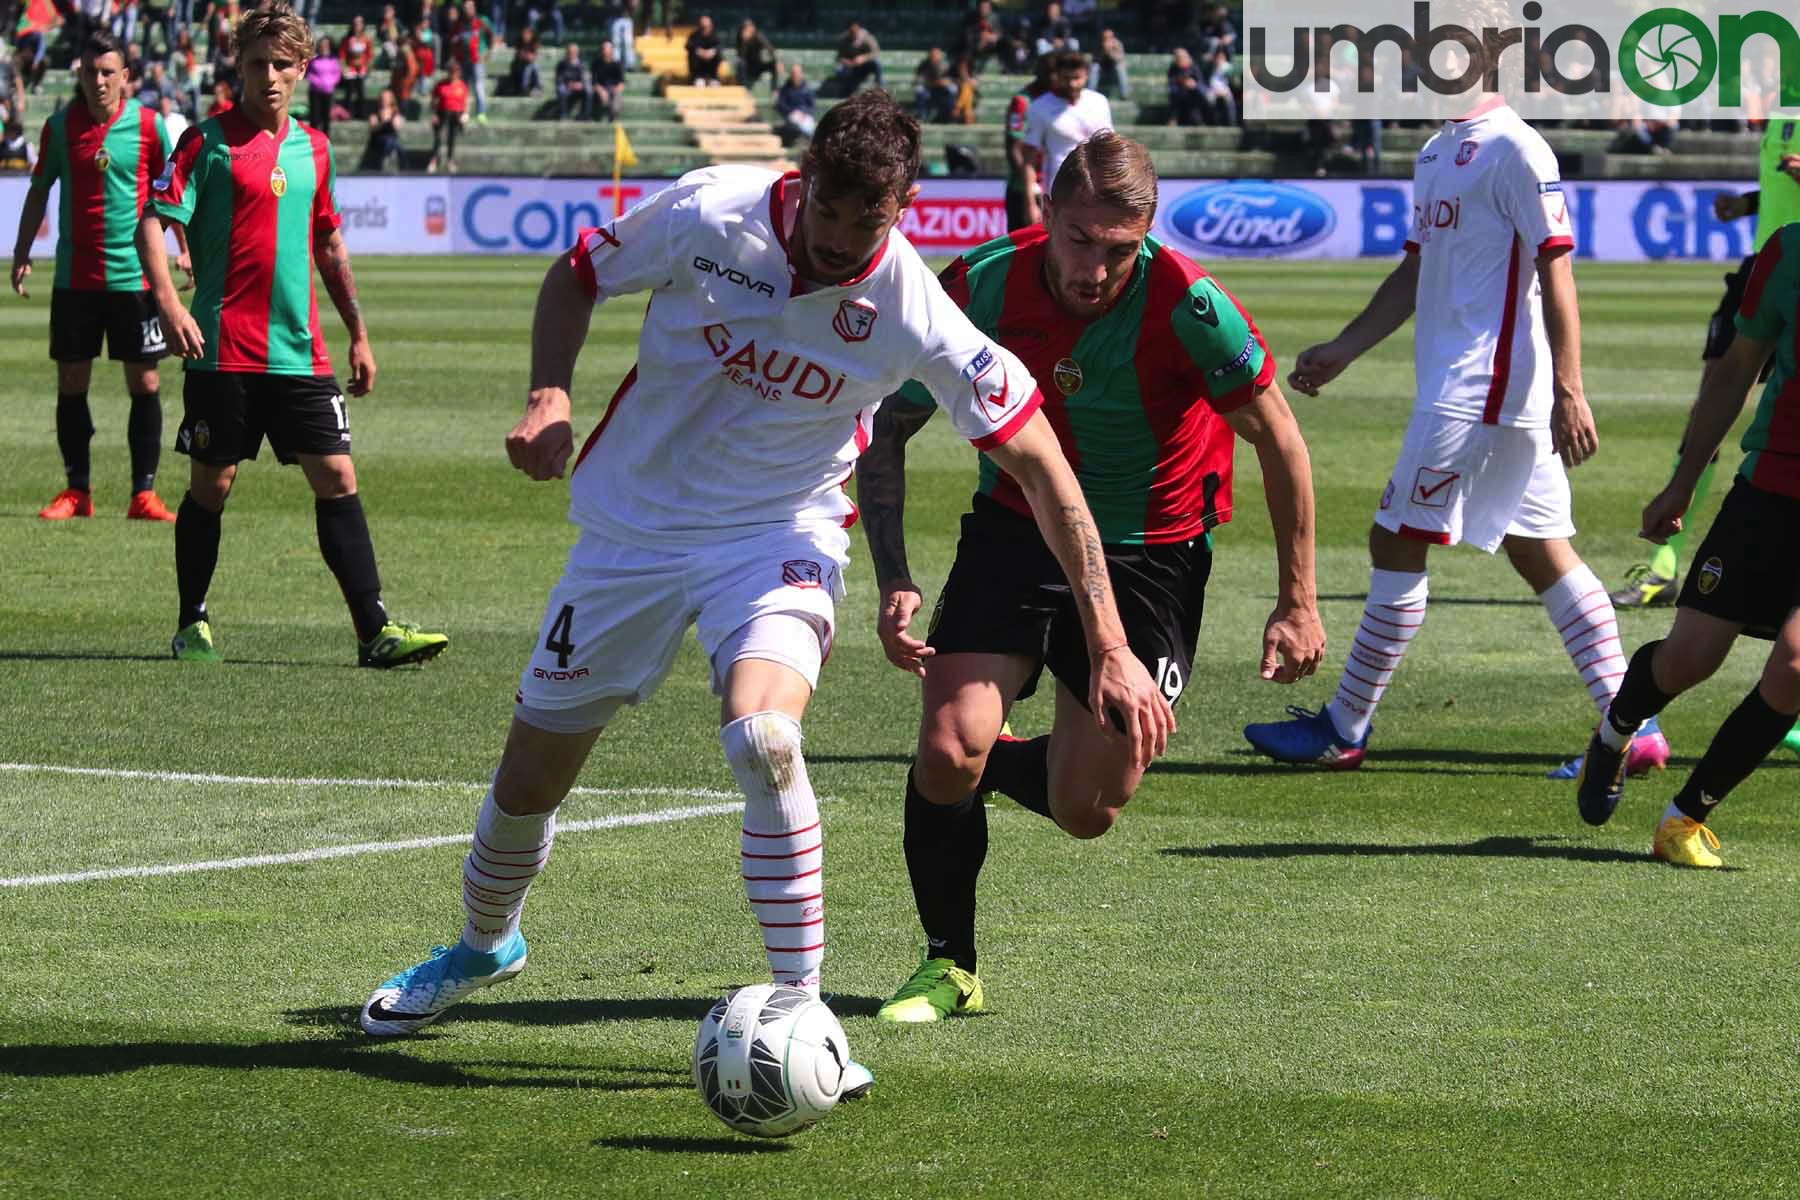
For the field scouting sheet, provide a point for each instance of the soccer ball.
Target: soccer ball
(769, 1060)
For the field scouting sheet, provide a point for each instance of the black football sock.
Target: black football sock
(196, 556)
(74, 428)
(1748, 735)
(344, 541)
(1021, 770)
(143, 432)
(1639, 698)
(945, 847)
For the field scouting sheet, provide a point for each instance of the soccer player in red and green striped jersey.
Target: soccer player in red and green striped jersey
(103, 150)
(254, 189)
(1745, 577)
(1148, 368)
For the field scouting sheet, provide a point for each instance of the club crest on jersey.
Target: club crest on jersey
(102, 160)
(202, 435)
(1711, 572)
(855, 320)
(278, 182)
(1067, 376)
(802, 573)
(1466, 152)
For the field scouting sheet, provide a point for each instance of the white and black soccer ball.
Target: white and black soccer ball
(770, 1060)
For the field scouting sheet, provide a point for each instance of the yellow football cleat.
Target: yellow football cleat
(1685, 842)
(938, 989)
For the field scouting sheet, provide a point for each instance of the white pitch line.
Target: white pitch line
(297, 781)
(660, 817)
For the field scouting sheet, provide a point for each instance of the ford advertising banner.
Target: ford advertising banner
(1207, 219)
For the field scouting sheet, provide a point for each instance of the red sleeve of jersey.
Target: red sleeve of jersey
(583, 262)
(42, 174)
(1553, 243)
(171, 186)
(954, 279)
(1005, 433)
(325, 216)
(1766, 261)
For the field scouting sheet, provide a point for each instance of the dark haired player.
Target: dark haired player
(1149, 368)
(254, 189)
(1745, 578)
(104, 150)
(783, 308)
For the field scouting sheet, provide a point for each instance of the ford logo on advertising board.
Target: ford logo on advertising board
(1251, 219)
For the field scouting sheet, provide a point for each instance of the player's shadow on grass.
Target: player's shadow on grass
(664, 1144)
(687, 1009)
(1499, 846)
(1455, 761)
(102, 656)
(362, 1056)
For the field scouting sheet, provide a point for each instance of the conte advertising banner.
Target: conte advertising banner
(1615, 221)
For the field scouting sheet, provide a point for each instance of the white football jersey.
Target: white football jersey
(1487, 200)
(1054, 127)
(749, 403)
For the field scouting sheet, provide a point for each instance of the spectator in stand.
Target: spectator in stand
(703, 54)
(222, 54)
(1114, 81)
(609, 82)
(405, 79)
(574, 90)
(858, 59)
(358, 57)
(16, 151)
(933, 93)
(1015, 54)
(152, 88)
(125, 21)
(795, 104)
(473, 42)
(134, 67)
(158, 17)
(424, 47)
(1054, 31)
(756, 56)
(968, 94)
(1216, 33)
(184, 72)
(390, 36)
(980, 34)
(539, 11)
(38, 20)
(523, 78)
(222, 99)
(1216, 85)
(12, 91)
(385, 123)
(449, 113)
(323, 74)
(646, 17)
(174, 120)
(620, 25)
(1187, 104)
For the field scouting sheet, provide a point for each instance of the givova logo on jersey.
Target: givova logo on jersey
(774, 374)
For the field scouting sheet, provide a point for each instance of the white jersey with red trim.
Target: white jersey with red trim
(1487, 200)
(1054, 127)
(754, 391)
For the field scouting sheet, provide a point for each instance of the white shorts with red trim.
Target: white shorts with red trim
(1465, 481)
(616, 618)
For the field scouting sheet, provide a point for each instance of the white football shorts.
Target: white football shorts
(1463, 481)
(616, 618)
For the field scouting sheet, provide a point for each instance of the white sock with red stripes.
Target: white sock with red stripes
(1393, 614)
(783, 844)
(1583, 615)
(505, 856)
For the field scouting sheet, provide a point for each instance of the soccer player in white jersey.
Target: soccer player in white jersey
(783, 309)
(1499, 416)
(1064, 117)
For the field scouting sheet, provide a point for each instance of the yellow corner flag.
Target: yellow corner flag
(622, 158)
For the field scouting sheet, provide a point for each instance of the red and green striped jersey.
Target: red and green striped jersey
(1770, 312)
(254, 207)
(1015, 129)
(1135, 394)
(105, 168)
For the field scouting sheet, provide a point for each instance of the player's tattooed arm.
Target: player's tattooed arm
(881, 494)
(881, 487)
(340, 284)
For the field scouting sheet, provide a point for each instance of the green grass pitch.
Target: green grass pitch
(1427, 978)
